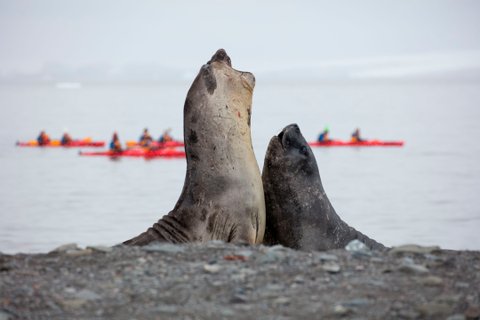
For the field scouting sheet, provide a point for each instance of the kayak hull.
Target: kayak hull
(168, 144)
(160, 153)
(57, 143)
(366, 143)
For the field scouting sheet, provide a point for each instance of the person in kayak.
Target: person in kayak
(43, 138)
(165, 137)
(356, 136)
(115, 145)
(66, 139)
(323, 137)
(145, 139)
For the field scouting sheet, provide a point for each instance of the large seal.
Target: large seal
(222, 196)
(299, 214)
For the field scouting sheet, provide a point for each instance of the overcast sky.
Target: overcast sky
(256, 34)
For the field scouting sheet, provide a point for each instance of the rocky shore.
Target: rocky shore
(225, 281)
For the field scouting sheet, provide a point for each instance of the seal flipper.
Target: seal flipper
(167, 229)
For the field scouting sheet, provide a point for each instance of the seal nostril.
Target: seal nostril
(221, 55)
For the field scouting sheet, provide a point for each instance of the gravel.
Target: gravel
(225, 281)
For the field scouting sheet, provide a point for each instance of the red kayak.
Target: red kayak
(139, 152)
(167, 144)
(87, 142)
(366, 143)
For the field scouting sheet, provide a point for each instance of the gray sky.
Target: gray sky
(257, 34)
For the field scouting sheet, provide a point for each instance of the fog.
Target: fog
(107, 40)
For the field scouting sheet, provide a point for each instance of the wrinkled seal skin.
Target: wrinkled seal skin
(222, 196)
(299, 214)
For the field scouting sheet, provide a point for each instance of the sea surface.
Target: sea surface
(427, 192)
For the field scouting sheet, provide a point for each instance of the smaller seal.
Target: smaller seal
(298, 212)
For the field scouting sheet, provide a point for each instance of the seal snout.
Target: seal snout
(221, 56)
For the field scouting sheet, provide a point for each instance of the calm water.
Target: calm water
(426, 192)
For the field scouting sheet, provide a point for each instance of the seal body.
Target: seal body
(299, 214)
(222, 196)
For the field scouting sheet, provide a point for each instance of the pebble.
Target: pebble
(327, 257)
(462, 285)
(78, 252)
(281, 300)
(212, 268)
(274, 254)
(431, 281)
(434, 309)
(358, 302)
(166, 309)
(86, 294)
(409, 266)
(331, 267)
(65, 247)
(104, 249)
(238, 298)
(356, 245)
(358, 248)
(341, 310)
(163, 247)
(472, 312)
(5, 315)
(413, 248)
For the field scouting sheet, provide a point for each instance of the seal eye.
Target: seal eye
(303, 150)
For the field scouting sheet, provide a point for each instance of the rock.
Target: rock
(340, 310)
(327, 257)
(356, 245)
(238, 298)
(66, 247)
(212, 268)
(331, 267)
(244, 253)
(413, 248)
(431, 281)
(358, 248)
(281, 300)
(86, 294)
(274, 254)
(358, 302)
(457, 317)
(409, 266)
(472, 313)
(462, 285)
(163, 247)
(434, 309)
(166, 309)
(227, 312)
(5, 315)
(78, 252)
(104, 249)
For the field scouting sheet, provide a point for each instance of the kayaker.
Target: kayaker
(66, 139)
(115, 145)
(43, 138)
(166, 137)
(323, 137)
(356, 136)
(145, 139)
